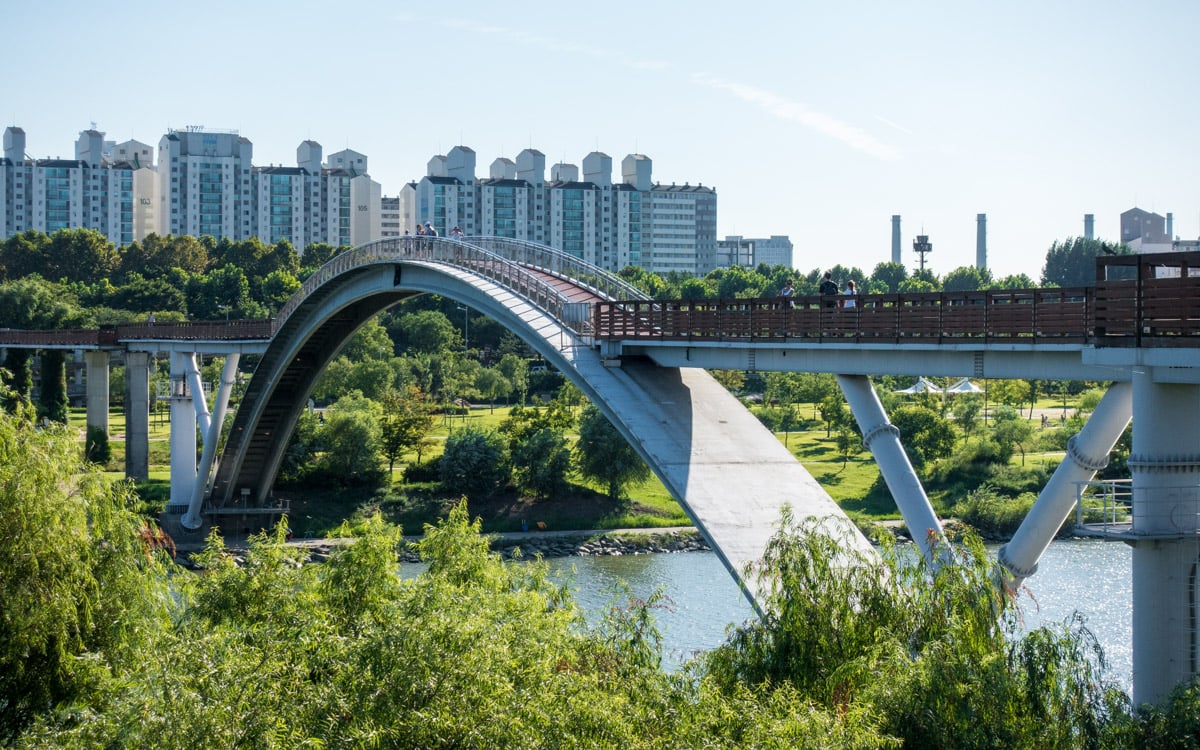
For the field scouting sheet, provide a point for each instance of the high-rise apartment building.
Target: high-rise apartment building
(736, 250)
(612, 225)
(204, 181)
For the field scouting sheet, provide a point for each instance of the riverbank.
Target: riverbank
(529, 544)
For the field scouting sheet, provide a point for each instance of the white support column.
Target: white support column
(1165, 467)
(137, 415)
(183, 432)
(883, 440)
(1087, 453)
(199, 402)
(97, 389)
(191, 520)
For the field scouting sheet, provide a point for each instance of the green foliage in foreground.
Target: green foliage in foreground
(104, 643)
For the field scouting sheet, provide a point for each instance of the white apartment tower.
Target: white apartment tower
(204, 183)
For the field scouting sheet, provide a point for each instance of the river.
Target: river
(1090, 576)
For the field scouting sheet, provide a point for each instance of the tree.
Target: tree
(889, 275)
(351, 439)
(834, 411)
(407, 419)
(277, 288)
(966, 279)
(52, 401)
(541, 462)
(1009, 430)
(604, 456)
(1073, 261)
(516, 369)
(425, 332)
(156, 256)
(475, 463)
(492, 385)
(925, 435)
(97, 598)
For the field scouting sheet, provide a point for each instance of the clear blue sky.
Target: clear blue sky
(814, 120)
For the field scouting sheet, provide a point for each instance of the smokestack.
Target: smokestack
(1089, 226)
(981, 241)
(895, 238)
(1170, 227)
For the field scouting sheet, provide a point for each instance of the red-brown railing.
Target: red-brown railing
(1029, 315)
(1138, 301)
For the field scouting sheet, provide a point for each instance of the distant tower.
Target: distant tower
(981, 241)
(896, 238)
(1170, 227)
(922, 245)
(1089, 226)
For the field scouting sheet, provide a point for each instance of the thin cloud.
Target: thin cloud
(785, 109)
(889, 123)
(556, 46)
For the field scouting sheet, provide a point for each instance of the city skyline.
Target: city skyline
(819, 128)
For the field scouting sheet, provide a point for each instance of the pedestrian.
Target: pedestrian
(850, 292)
(407, 242)
(456, 233)
(829, 288)
(787, 293)
(429, 232)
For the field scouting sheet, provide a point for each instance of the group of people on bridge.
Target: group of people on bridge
(828, 288)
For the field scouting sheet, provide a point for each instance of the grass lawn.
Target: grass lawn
(854, 483)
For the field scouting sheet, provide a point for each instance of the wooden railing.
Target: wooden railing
(1027, 315)
(1138, 301)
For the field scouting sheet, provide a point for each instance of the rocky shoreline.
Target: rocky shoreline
(526, 545)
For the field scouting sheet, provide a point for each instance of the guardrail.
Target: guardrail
(1032, 315)
(515, 275)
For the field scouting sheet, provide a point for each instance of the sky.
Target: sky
(818, 121)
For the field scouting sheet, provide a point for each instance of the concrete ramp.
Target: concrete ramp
(731, 475)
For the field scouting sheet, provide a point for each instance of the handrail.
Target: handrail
(511, 274)
(561, 264)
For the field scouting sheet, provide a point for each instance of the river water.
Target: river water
(1088, 576)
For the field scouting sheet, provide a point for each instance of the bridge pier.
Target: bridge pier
(883, 440)
(96, 361)
(1166, 502)
(137, 415)
(183, 430)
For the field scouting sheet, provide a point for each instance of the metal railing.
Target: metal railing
(517, 274)
(562, 265)
(1104, 505)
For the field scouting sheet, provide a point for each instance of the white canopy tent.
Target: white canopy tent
(964, 386)
(921, 386)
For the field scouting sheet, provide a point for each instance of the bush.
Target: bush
(993, 514)
(429, 471)
(97, 450)
(475, 463)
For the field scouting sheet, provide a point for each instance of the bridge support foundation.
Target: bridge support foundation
(137, 415)
(97, 389)
(883, 440)
(183, 430)
(1166, 505)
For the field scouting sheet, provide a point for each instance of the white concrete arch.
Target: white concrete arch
(731, 475)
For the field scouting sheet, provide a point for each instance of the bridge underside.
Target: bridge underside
(731, 475)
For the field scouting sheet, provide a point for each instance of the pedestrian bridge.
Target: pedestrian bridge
(642, 362)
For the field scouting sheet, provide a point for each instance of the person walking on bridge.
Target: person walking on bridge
(829, 288)
(787, 293)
